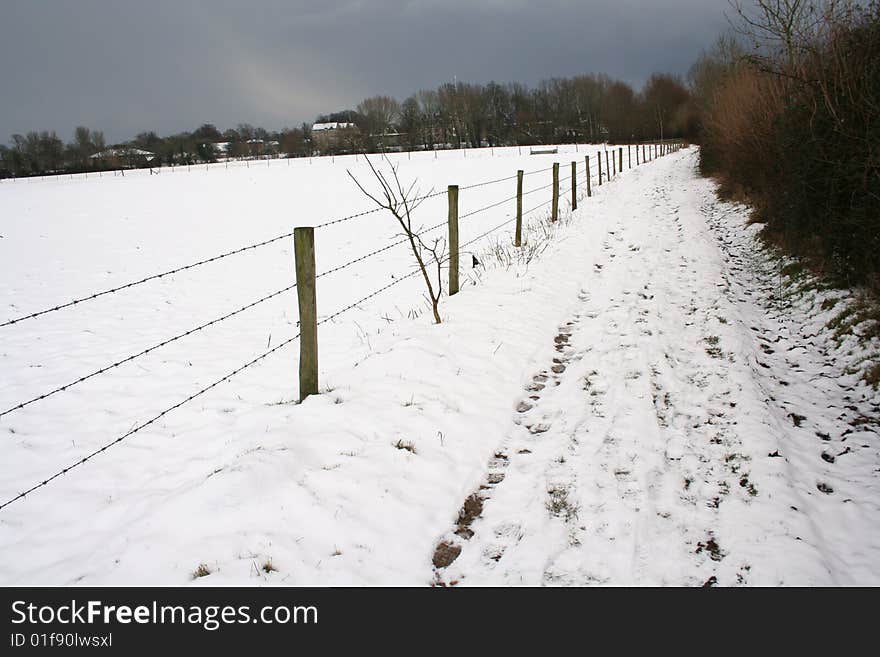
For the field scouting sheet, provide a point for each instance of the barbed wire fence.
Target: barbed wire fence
(586, 172)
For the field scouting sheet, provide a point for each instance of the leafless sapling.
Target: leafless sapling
(401, 201)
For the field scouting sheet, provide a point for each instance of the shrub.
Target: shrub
(796, 131)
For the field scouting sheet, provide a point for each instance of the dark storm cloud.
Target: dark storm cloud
(169, 65)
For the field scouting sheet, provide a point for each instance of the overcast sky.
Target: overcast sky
(126, 66)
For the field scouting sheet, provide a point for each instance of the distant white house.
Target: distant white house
(125, 152)
(124, 157)
(335, 125)
(327, 136)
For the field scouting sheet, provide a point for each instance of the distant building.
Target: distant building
(336, 125)
(124, 157)
(334, 136)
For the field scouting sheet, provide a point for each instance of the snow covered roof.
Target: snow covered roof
(122, 152)
(336, 125)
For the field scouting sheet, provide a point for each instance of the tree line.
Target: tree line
(583, 108)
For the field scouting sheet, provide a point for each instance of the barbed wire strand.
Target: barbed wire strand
(354, 304)
(176, 270)
(504, 223)
(143, 280)
(333, 222)
(143, 425)
(498, 180)
(146, 351)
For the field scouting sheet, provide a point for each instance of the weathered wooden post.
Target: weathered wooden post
(629, 157)
(589, 190)
(517, 239)
(607, 165)
(574, 186)
(452, 194)
(599, 158)
(304, 254)
(555, 212)
(620, 159)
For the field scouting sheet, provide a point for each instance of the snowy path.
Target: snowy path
(658, 448)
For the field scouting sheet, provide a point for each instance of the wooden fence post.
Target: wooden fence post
(629, 156)
(304, 254)
(452, 194)
(555, 213)
(620, 159)
(589, 190)
(517, 240)
(607, 165)
(599, 158)
(574, 186)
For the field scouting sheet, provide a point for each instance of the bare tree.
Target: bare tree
(401, 201)
(377, 116)
(664, 96)
(782, 28)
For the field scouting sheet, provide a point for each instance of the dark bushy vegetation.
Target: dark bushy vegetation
(790, 122)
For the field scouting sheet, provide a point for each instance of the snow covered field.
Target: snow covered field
(632, 404)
